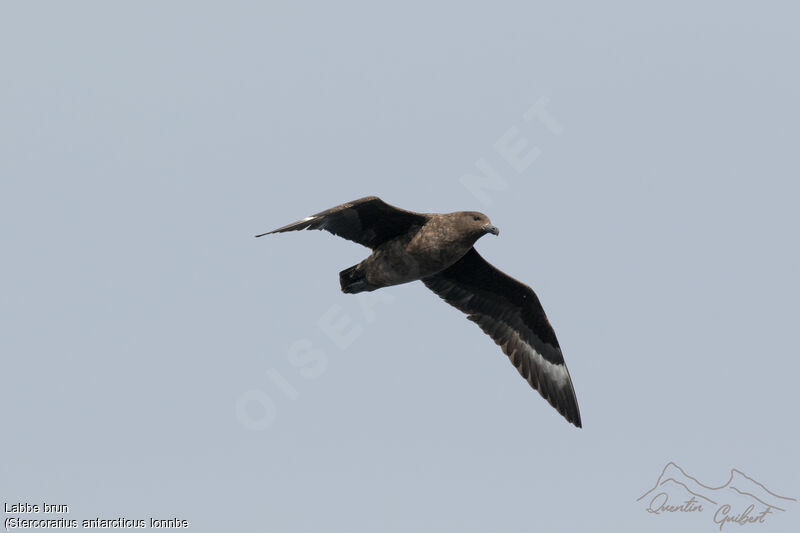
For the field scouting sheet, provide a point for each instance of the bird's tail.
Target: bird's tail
(354, 281)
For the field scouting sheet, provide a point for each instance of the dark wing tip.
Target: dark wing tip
(312, 222)
(569, 410)
(562, 398)
(576, 420)
(565, 401)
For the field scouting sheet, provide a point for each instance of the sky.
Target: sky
(159, 362)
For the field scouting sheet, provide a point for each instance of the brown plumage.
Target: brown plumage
(437, 250)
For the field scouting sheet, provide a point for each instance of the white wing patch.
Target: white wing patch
(556, 373)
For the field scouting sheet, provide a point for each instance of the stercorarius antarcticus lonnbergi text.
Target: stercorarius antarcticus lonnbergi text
(437, 250)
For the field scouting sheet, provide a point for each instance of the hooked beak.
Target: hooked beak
(488, 228)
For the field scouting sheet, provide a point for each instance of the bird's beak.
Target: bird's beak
(488, 228)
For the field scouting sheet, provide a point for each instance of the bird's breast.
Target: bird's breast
(403, 261)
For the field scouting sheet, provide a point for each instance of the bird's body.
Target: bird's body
(437, 249)
(422, 252)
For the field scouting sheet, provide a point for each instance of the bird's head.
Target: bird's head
(478, 223)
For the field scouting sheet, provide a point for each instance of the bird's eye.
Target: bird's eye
(476, 218)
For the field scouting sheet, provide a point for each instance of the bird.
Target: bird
(437, 249)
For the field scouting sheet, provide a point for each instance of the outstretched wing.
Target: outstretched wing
(369, 221)
(510, 313)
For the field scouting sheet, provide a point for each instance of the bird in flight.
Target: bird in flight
(437, 249)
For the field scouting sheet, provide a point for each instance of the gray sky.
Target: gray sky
(160, 361)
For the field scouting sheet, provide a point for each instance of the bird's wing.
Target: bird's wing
(369, 221)
(510, 313)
